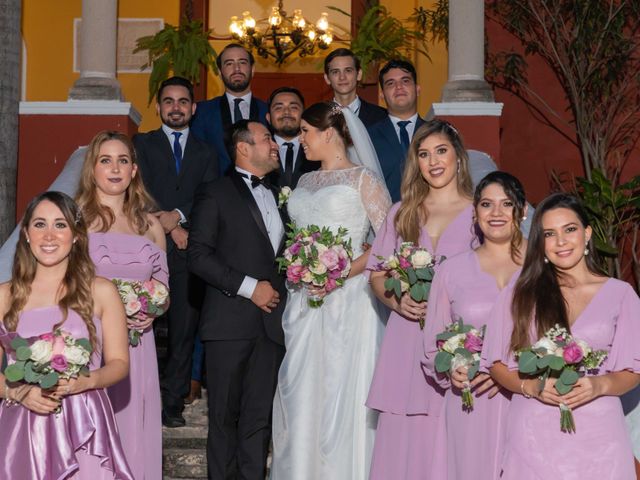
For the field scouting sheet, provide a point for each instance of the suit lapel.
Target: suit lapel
(245, 193)
(254, 112)
(225, 113)
(389, 132)
(165, 151)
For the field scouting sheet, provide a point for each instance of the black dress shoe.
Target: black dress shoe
(172, 419)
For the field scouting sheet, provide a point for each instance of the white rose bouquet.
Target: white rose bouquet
(559, 355)
(49, 358)
(460, 346)
(142, 299)
(411, 270)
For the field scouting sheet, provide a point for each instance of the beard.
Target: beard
(287, 131)
(177, 122)
(236, 86)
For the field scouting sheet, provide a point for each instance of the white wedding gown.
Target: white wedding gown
(321, 427)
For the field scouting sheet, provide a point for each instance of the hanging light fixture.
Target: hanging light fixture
(279, 36)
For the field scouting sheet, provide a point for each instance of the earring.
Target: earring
(74, 240)
(458, 166)
(27, 239)
(546, 260)
(586, 251)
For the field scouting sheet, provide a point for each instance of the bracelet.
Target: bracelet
(524, 394)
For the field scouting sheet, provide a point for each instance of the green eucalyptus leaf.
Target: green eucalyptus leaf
(49, 380)
(443, 362)
(527, 362)
(14, 373)
(23, 353)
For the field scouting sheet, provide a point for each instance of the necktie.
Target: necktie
(237, 114)
(288, 164)
(404, 135)
(177, 150)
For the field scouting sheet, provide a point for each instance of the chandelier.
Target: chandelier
(280, 36)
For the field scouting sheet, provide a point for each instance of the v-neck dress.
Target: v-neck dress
(535, 447)
(475, 438)
(410, 435)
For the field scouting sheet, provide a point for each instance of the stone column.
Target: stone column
(466, 81)
(98, 42)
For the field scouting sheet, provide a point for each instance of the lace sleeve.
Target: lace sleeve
(375, 198)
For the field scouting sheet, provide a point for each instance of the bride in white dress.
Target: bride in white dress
(321, 427)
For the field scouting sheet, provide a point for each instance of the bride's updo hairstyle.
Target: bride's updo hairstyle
(326, 115)
(414, 189)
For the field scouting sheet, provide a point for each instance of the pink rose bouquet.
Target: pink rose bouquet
(559, 355)
(148, 299)
(411, 270)
(46, 359)
(460, 346)
(316, 258)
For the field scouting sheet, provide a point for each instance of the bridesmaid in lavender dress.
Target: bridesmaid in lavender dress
(561, 284)
(436, 213)
(467, 287)
(53, 285)
(127, 242)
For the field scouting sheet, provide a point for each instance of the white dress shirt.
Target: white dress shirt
(271, 216)
(245, 106)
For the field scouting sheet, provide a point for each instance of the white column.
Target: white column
(98, 43)
(466, 53)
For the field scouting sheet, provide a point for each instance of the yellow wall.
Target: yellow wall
(48, 36)
(47, 29)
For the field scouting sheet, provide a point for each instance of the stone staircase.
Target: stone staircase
(184, 453)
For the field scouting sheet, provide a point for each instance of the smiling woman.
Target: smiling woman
(54, 290)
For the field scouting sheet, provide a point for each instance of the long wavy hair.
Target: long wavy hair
(537, 296)
(137, 201)
(514, 191)
(414, 188)
(76, 289)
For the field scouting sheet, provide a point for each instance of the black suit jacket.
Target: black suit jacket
(228, 241)
(390, 153)
(301, 166)
(157, 165)
(370, 113)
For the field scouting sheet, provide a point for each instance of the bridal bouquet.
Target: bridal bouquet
(51, 357)
(411, 269)
(460, 346)
(559, 355)
(316, 258)
(148, 298)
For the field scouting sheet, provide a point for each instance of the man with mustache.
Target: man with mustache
(173, 163)
(237, 233)
(214, 116)
(285, 114)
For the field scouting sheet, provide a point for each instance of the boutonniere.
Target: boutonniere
(283, 196)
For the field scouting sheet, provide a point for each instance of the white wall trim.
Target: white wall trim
(466, 109)
(81, 107)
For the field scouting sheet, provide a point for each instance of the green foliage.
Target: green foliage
(443, 361)
(382, 37)
(181, 50)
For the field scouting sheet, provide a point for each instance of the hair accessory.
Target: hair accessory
(546, 260)
(455, 130)
(336, 109)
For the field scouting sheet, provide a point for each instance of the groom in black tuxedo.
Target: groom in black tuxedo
(236, 232)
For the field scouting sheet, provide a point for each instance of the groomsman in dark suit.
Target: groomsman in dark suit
(285, 114)
(173, 164)
(214, 116)
(392, 135)
(342, 73)
(236, 233)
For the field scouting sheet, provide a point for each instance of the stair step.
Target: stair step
(185, 462)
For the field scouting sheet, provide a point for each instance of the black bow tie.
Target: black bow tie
(255, 181)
